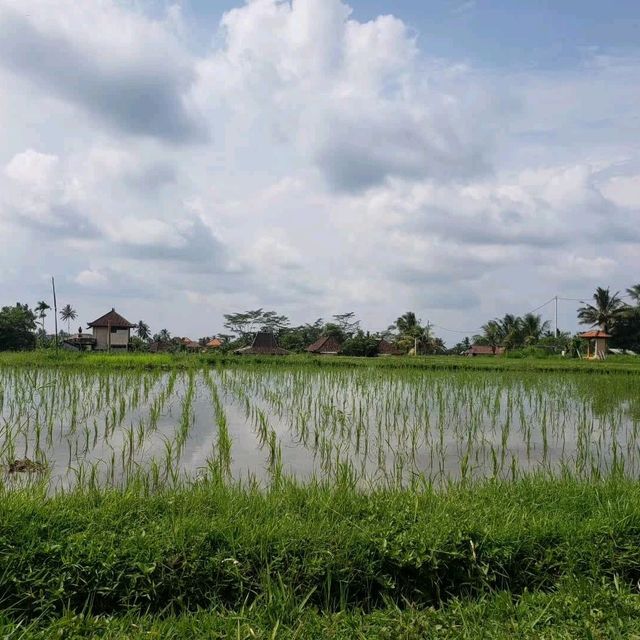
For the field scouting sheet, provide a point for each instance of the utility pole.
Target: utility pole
(55, 310)
(556, 315)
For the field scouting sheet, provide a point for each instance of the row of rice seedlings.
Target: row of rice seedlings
(383, 426)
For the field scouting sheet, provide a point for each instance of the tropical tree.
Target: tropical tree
(67, 314)
(511, 331)
(41, 311)
(492, 335)
(532, 328)
(634, 293)
(142, 330)
(412, 334)
(17, 326)
(162, 336)
(607, 308)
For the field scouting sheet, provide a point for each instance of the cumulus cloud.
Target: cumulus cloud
(352, 97)
(118, 66)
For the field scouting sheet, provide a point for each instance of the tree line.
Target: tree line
(24, 328)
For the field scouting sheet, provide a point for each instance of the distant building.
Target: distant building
(156, 346)
(385, 348)
(484, 350)
(597, 343)
(111, 331)
(190, 345)
(264, 344)
(325, 346)
(214, 343)
(79, 341)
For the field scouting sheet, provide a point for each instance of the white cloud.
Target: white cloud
(90, 278)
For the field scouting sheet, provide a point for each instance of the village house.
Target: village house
(190, 345)
(484, 350)
(111, 331)
(325, 346)
(214, 343)
(263, 344)
(385, 348)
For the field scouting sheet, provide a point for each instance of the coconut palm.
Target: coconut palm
(511, 330)
(634, 293)
(492, 335)
(532, 328)
(164, 336)
(67, 314)
(143, 331)
(606, 310)
(412, 334)
(41, 310)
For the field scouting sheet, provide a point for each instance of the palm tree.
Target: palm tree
(606, 310)
(511, 329)
(41, 311)
(413, 335)
(634, 293)
(67, 314)
(142, 329)
(532, 328)
(164, 336)
(492, 335)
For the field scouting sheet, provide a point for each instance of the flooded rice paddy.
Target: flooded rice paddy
(382, 427)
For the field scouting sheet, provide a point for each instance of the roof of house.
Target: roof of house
(190, 344)
(385, 348)
(214, 342)
(595, 333)
(325, 344)
(112, 319)
(484, 350)
(264, 343)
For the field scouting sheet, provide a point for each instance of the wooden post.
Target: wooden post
(55, 311)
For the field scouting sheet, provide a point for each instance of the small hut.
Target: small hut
(264, 344)
(325, 346)
(385, 348)
(190, 345)
(214, 343)
(597, 343)
(483, 350)
(111, 331)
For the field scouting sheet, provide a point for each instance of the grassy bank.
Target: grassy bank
(576, 610)
(142, 361)
(332, 557)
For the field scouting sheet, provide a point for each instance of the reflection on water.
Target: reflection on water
(381, 426)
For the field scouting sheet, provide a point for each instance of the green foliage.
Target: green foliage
(607, 308)
(17, 327)
(513, 332)
(361, 344)
(298, 549)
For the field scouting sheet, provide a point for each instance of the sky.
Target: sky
(183, 160)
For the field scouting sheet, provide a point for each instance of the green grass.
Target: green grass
(49, 358)
(222, 557)
(605, 611)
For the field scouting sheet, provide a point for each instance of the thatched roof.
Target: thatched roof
(484, 350)
(112, 319)
(264, 343)
(325, 344)
(385, 348)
